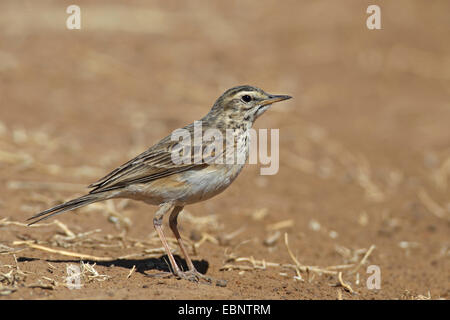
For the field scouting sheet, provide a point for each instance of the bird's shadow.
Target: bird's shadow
(142, 265)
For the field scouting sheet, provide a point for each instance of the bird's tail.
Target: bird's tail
(67, 206)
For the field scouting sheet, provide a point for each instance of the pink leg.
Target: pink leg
(157, 223)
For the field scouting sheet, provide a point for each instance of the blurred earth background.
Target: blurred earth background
(364, 147)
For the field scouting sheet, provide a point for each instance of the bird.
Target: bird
(172, 173)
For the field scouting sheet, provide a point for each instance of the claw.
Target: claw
(190, 275)
(195, 276)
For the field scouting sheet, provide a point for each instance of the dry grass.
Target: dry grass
(234, 262)
(315, 153)
(339, 161)
(64, 237)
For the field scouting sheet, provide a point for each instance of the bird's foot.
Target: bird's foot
(195, 276)
(190, 275)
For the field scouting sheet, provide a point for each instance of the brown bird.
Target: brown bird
(172, 174)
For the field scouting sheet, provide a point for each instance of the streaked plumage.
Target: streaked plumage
(153, 177)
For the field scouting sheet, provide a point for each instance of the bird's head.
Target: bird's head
(244, 104)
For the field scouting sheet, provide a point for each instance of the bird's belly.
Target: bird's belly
(209, 182)
(186, 187)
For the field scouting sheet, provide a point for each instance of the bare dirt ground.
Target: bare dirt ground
(364, 147)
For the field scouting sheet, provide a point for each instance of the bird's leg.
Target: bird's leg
(192, 273)
(173, 224)
(157, 223)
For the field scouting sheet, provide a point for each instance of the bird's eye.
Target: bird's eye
(246, 98)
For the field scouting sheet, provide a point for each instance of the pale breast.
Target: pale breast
(210, 181)
(193, 185)
(215, 178)
(186, 187)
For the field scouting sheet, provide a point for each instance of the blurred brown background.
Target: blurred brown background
(364, 144)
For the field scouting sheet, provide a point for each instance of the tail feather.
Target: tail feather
(67, 206)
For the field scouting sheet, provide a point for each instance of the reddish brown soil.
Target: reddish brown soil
(364, 144)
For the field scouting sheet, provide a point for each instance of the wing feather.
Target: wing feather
(154, 163)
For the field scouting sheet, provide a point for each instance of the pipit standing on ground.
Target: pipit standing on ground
(154, 178)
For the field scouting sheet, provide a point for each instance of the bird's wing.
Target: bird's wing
(152, 164)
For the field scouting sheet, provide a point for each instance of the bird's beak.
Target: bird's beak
(274, 98)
